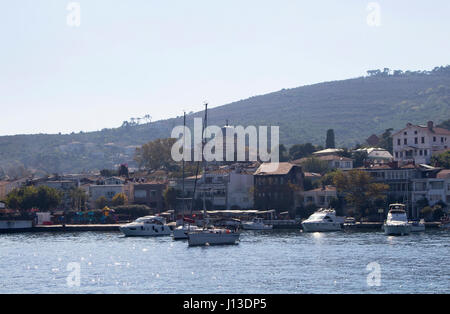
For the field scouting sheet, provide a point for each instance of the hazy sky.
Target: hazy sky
(137, 57)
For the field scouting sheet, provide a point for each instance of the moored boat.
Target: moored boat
(323, 220)
(213, 236)
(397, 221)
(147, 226)
(256, 224)
(417, 226)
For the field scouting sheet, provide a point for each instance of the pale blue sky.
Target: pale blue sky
(130, 58)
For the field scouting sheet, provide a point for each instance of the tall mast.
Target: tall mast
(204, 164)
(184, 150)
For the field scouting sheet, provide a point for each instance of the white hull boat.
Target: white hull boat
(213, 237)
(148, 226)
(397, 221)
(417, 226)
(256, 224)
(323, 220)
(397, 228)
(181, 232)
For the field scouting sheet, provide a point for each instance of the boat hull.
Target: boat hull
(145, 232)
(212, 238)
(181, 233)
(321, 227)
(403, 229)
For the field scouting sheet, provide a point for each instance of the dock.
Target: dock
(66, 228)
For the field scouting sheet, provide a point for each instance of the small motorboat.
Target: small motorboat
(256, 224)
(417, 226)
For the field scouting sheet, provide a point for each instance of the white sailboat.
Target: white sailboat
(181, 232)
(210, 236)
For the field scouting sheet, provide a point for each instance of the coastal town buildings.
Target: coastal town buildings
(377, 155)
(225, 187)
(279, 187)
(150, 194)
(417, 143)
(433, 187)
(321, 197)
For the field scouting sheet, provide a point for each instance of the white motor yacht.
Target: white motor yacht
(397, 221)
(323, 220)
(213, 236)
(256, 224)
(147, 226)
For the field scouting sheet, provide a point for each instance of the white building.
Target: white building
(377, 155)
(320, 197)
(337, 162)
(226, 187)
(418, 143)
(435, 189)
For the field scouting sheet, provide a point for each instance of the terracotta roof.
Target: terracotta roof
(436, 130)
(333, 157)
(443, 174)
(327, 188)
(312, 174)
(270, 169)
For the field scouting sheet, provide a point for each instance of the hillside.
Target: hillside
(354, 108)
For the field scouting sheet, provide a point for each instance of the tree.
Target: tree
(445, 124)
(123, 170)
(442, 160)
(26, 198)
(78, 198)
(359, 157)
(359, 189)
(156, 154)
(330, 139)
(170, 197)
(298, 151)
(386, 140)
(283, 153)
(314, 164)
(101, 202)
(119, 199)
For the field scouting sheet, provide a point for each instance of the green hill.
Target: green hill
(354, 108)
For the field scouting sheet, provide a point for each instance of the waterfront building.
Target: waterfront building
(225, 187)
(417, 143)
(108, 191)
(321, 197)
(400, 178)
(433, 187)
(279, 189)
(150, 194)
(64, 186)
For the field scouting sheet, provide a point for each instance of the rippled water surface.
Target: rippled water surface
(263, 262)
